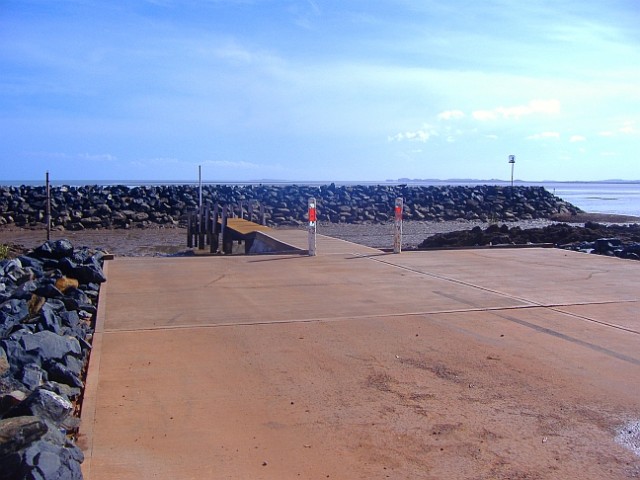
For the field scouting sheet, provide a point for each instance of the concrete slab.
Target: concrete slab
(541, 276)
(325, 245)
(622, 315)
(364, 365)
(230, 290)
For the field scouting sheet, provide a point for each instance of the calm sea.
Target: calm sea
(620, 198)
(596, 197)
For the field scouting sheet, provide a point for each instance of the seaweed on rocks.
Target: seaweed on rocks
(47, 308)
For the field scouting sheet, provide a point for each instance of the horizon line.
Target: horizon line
(402, 180)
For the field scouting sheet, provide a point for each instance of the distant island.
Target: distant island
(496, 180)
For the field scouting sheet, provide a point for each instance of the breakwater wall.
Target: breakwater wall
(48, 303)
(116, 206)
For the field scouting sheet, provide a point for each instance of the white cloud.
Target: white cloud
(100, 157)
(577, 138)
(158, 162)
(484, 115)
(84, 157)
(416, 136)
(628, 128)
(451, 115)
(314, 7)
(491, 137)
(543, 135)
(547, 107)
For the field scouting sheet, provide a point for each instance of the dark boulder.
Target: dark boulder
(613, 240)
(88, 272)
(55, 249)
(47, 345)
(43, 404)
(43, 460)
(18, 432)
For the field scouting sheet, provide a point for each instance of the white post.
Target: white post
(312, 227)
(397, 237)
(512, 161)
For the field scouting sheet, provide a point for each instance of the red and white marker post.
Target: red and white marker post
(313, 217)
(397, 237)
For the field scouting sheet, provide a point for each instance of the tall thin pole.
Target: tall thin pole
(512, 161)
(48, 208)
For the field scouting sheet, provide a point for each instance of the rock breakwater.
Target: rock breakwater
(48, 301)
(612, 240)
(89, 207)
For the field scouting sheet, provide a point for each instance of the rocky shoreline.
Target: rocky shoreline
(48, 303)
(612, 240)
(96, 207)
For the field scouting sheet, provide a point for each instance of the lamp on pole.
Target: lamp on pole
(512, 161)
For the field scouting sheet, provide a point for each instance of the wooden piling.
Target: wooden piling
(190, 230)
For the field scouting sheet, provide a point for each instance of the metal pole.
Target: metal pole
(397, 237)
(512, 161)
(48, 213)
(312, 226)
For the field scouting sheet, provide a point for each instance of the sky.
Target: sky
(319, 90)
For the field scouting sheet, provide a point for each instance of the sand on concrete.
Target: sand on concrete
(478, 364)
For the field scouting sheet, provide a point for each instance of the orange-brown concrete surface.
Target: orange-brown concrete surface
(474, 364)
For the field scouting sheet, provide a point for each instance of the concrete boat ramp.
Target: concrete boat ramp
(360, 364)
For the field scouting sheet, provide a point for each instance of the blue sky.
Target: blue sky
(339, 90)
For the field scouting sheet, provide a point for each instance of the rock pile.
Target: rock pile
(77, 208)
(614, 240)
(48, 300)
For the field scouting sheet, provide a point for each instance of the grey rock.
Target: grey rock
(55, 249)
(44, 404)
(18, 432)
(50, 346)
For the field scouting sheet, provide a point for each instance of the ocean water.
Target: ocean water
(621, 198)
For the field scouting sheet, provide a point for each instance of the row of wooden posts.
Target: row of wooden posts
(208, 225)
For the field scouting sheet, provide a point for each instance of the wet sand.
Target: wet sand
(172, 241)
